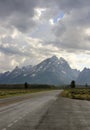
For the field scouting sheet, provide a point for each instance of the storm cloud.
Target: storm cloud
(42, 28)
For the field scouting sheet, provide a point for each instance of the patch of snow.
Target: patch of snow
(40, 67)
(33, 75)
(49, 63)
(44, 69)
(63, 72)
(25, 75)
(58, 62)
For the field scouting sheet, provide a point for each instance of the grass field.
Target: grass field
(4, 93)
(77, 93)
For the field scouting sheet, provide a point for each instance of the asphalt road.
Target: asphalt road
(67, 114)
(46, 111)
(25, 112)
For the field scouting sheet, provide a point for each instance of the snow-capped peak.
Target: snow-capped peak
(54, 57)
(49, 71)
(62, 60)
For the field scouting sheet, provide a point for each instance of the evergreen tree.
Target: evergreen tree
(72, 84)
(86, 85)
(26, 85)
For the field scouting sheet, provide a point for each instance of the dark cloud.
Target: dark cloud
(59, 29)
(70, 30)
(18, 13)
(69, 5)
(9, 7)
(21, 20)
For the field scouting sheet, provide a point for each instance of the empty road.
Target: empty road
(24, 112)
(45, 111)
(67, 114)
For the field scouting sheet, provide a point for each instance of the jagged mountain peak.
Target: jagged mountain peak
(54, 57)
(54, 60)
(50, 71)
(62, 60)
(16, 68)
(49, 61)
(86, 69)
(84, 76)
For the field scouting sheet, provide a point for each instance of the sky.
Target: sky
(33, 30)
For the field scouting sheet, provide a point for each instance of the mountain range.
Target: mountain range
(84, 77)
(52, 71)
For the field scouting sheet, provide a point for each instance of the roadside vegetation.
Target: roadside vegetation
(15, 90)
(4, 93)
(77, 93)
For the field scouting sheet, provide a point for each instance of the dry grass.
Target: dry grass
(14, 92)
(78, 93)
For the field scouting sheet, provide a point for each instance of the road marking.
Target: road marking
(4, 129)
(10, 125)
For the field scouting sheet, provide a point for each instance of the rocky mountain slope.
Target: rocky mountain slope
(84, 77)
(50, 71)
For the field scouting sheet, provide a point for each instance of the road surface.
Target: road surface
(67, 114)
(24, 112)
(45, 111)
